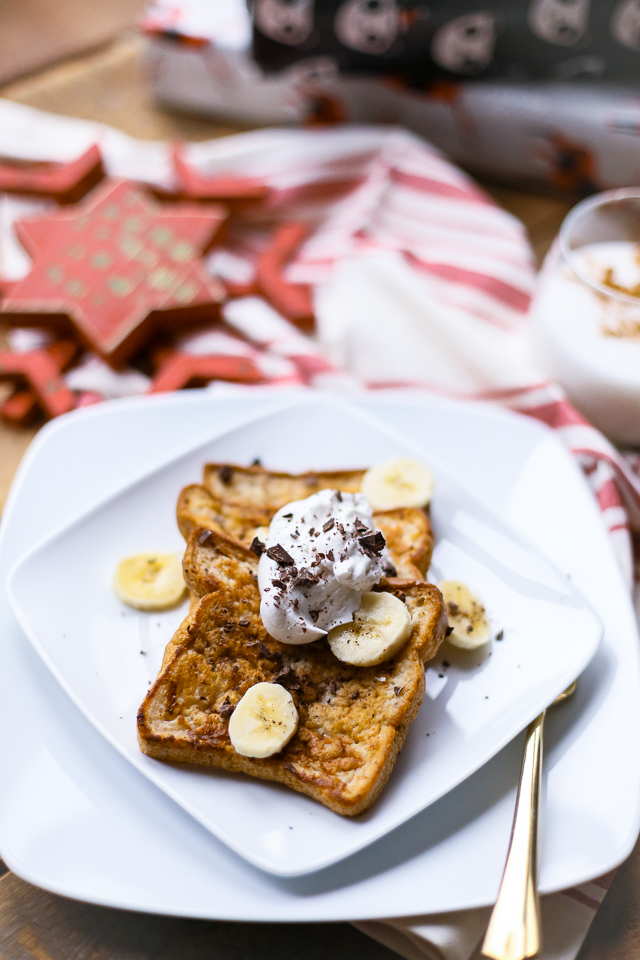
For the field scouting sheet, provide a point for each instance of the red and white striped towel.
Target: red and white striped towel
(420, 280)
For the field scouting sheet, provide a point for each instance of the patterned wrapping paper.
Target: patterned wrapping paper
(567, 137)
(418, 279)
(417, 41)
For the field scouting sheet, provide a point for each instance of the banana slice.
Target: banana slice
(264, 721)
(398, 483)
(466, 615)
(380, 627)
(150, 581)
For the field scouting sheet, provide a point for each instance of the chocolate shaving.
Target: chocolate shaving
(204, 537)
(256, 462)
(225, 473)
(226, 708)
(338, 496)
(257, 547)
(449, 631)
(306, 579)
(389, 569)
(287, 516)
(278, 583)
(330, 555)
(314, 614)
(280, 555)
(266, 653)
(327, 526)
(373, 543)
(500, 635)
(288, 677)
(359, 526)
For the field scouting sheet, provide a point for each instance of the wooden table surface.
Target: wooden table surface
(110, 86)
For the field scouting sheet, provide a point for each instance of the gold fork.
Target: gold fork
(514, 927)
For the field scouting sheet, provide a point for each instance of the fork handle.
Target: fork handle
(513, 931)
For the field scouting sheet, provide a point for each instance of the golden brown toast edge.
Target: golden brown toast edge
(407, 530)
(197, 507)
(257, 486)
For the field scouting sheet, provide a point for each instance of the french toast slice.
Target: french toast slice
(352, 720)
(256, 486)
(409, 537)
(406, 530)
(197, 507)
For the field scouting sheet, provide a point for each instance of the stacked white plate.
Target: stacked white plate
(111, 826)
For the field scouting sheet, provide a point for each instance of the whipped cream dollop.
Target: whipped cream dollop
(321, 555)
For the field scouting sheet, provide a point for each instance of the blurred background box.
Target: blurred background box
(567, 137)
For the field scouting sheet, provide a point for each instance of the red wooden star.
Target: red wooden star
(116, 266)
(65, 182)
(38, 377)
(21, 408)
(292, 300)
(179, 370)
(196, 185)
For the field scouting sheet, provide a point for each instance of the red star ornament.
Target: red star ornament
(38, 375)
(21, 408)
(292, 300)
(180, 370)
(199, 186)
(65, 182)
(116, 266)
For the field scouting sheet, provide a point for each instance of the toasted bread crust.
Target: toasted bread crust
(197, 507)
(353, 720)
(407, 530)
(214, 561)
(409, 538)
(257, 487)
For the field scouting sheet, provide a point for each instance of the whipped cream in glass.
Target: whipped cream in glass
(320, 556)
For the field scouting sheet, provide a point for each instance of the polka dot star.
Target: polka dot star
(115, 267)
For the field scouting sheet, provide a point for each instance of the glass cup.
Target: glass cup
(586, 312)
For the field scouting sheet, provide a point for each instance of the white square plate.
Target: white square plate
(78, 819)
(105, 655)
